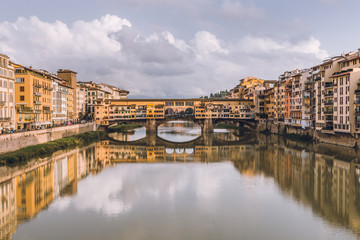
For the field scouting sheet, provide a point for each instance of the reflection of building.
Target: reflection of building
(329, 186)
(34, 191)
(8, 220)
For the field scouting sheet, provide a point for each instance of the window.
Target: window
(22, 89)
(22, 98)
(20, 80)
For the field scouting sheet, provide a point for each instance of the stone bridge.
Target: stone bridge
(153, 112)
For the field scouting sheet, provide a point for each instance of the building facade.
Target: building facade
(33, 98)
(7, 94)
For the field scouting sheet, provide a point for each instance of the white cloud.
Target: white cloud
(269, 45)
(111, 50)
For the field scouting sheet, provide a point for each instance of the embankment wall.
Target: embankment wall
(15, 141)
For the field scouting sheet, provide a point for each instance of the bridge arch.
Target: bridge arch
(189, 111)
(179, 150)
(189, 151)
(169, 150)
(169, 112)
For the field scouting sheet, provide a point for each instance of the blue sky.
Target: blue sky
(173, 48)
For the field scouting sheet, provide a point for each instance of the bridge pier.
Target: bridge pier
(207, 126)
(151, 126)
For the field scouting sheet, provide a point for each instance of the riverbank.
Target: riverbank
(47, 149)
(16, 141)
(232, 127)
(310, 135)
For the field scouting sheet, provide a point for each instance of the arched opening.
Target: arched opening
(179, 150)
(189, 151)
(189, 112)
(169, 112)
(169, 151)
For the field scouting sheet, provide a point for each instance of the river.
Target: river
(184, 185)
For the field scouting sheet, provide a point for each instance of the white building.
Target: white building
(81, 93)
(60, 92)
(7, 94)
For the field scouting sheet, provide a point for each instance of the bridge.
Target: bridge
(153, 112)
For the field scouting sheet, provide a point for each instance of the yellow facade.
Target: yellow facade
(33, 98)
(137, 109)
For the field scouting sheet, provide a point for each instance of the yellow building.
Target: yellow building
(33, 98)
(269, 103)
(246, 88)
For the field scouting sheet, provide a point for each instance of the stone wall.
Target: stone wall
(339, 139)
(15, 141)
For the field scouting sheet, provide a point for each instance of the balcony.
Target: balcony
(37, 94)
(24, 109)
(328, 103)
(2, 103)
(5, 119)
(329, 85)
(329, 94)
(37, 102)
(37, 85)
(329, 118)
(327, 112)
(357, 101)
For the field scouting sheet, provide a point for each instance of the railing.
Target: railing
(329, 85)
(328, 103)
(2, 103)
(4, 119)
(331, 93)
(329, 112)
(37, 102)
(37, 94)
(24, 110)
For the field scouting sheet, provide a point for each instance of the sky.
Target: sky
(176, 48)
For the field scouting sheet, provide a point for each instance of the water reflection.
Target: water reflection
(179, 131)
(129, 136)
(323, 184)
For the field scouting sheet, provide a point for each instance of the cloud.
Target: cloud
(111, 50)
(309, 46)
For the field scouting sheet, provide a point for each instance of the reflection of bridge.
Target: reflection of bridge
(153, 112)
(206, 139)
(170, 152)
